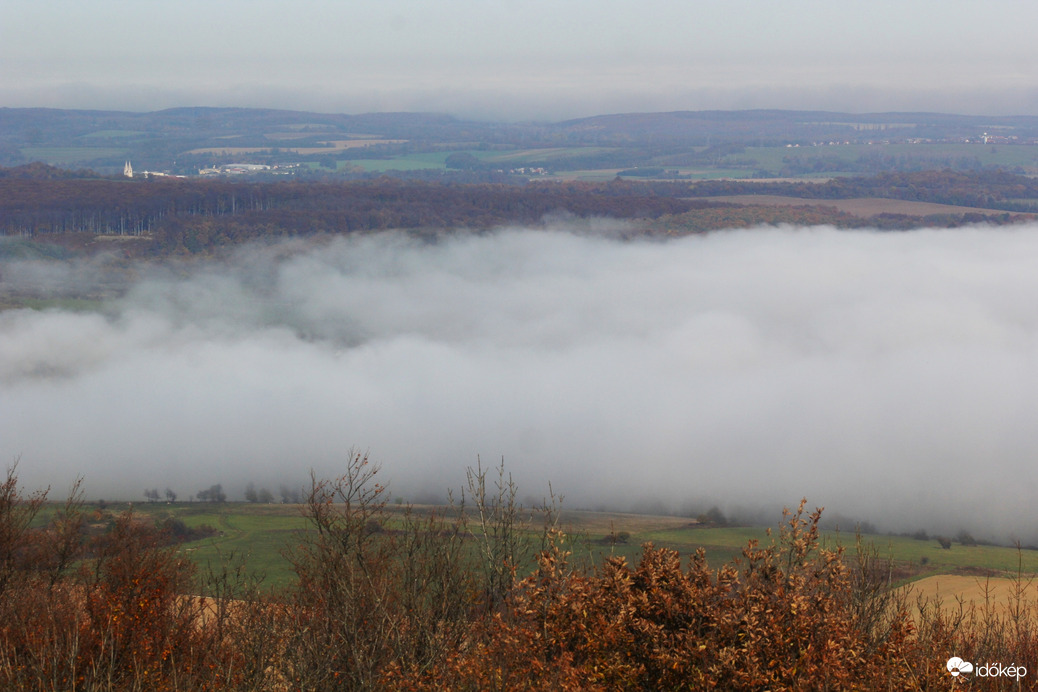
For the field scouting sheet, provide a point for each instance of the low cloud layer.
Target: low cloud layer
(888, 376)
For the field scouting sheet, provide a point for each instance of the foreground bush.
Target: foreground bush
(121, 619)
(786, 619)
(450, 602)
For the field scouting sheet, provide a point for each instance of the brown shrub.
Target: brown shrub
(428, 604)
(784, 619)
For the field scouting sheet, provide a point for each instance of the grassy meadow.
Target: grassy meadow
(386, 600)
(259, 535)
(832, 160)
(927, 155)
(71, 156)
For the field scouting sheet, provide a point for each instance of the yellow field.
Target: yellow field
(999, 593)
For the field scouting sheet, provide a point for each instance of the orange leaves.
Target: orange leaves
(113, 623)
(401, 606)
(781, 620)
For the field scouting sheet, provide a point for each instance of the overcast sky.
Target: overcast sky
(520, 60)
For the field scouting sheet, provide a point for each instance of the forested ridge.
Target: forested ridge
(195, 215)
(175, 215)
(984, 189)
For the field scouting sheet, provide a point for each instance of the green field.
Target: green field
(936, 155)
(829, 160)
(901, 549)
(260, 534)
(24, 249)
(257, 534)
(114, 134)
(506, 159)
(410, 162)
(842, 159)
(519, 157)
(69, 156)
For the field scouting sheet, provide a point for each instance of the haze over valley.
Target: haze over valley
(885, 376)
(284, 289)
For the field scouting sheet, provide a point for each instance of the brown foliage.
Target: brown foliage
(197, 216)
(369, 598)
(784, 619)
(121, 621)
(427, 603)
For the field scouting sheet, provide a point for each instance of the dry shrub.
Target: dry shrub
(418, 601)
(373, 596)
(118, 622)
(784, 619)
(990, 632)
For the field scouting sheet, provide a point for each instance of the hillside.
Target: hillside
(678, 145)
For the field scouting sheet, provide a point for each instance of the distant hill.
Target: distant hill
(756, 126)
(676, 145)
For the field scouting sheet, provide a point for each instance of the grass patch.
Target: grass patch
(521, 156)
(114, 134)
(901, 549)
(588, 175)
(67, 156)
(411, 162)
(259, 534)
(22, 249)
(928, 155)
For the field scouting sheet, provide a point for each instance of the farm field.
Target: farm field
(928, 155)
(114, 134)
(255, 533)
(71, 156)
(410, 162)
(722, 543)
(863, 207)
(334, 146)
(506, 159)
(587, 175)
(259, 534)
(998, 594)
(750, 162)
(521, 156)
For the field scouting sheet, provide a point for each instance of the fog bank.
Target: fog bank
(888, 376)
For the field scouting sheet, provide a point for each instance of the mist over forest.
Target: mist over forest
(886, 376)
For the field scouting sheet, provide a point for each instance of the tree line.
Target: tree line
(215, 493)
(990, 189)
(198, 215)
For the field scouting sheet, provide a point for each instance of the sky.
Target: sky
(511, 60)
(885, 376)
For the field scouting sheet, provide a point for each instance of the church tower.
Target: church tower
(128, 170)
